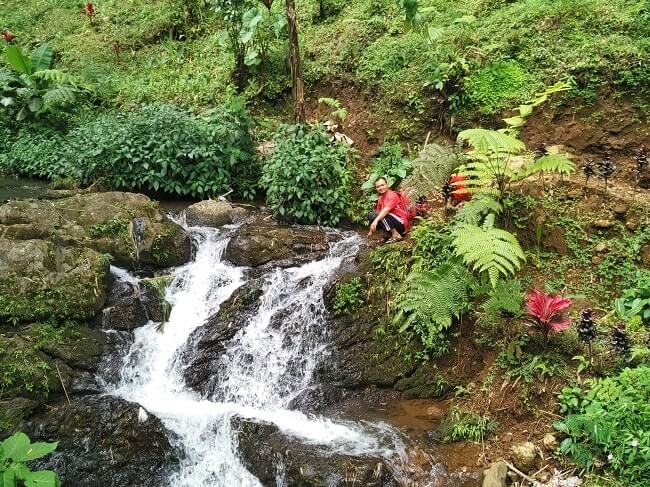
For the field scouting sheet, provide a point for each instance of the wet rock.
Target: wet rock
(104, 222)
(550, 442)
(13, 412)
(40, 280)
(258, 243)
(523, 455)
(316, 398)
(102, 442)
(602, 224)
(205, 346)
(619, 210)
(496, 475)
(268, 453)
(213, 213)
(124, 310)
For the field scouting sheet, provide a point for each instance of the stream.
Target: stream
(267, 364)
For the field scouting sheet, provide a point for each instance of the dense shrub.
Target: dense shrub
(610, 420)
(307, 178)
(157, 148)
(389, 164)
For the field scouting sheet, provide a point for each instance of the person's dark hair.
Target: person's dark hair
(381, 178)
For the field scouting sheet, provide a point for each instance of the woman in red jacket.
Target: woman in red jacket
(389, 213)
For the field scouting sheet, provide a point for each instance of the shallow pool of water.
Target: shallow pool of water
(12, 188)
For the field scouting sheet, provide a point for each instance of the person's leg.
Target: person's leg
(395, 227)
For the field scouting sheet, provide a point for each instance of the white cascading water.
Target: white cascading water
(268, 362)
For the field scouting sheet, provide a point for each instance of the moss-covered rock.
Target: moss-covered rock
(129, 226)
(40, 280)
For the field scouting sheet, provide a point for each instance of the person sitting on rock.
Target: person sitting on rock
(390, 212)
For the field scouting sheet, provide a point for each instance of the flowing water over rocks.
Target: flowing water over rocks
(237, 416)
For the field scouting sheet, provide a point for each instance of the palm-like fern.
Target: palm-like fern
(506, 299)
(431, 300)
(489, 142)
(475, 209)
(431, 170)
(488, 249)
(559, 163)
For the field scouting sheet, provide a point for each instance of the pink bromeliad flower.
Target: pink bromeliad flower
(547, 312)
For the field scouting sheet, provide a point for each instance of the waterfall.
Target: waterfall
(268, 362)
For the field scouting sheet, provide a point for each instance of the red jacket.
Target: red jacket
(392, 200)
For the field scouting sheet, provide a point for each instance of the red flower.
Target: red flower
(89, 9)
(8, 36)
(547, 311)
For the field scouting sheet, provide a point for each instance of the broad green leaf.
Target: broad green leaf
(14, 447)
(37, 450)
(43, 478)
(7, 478)
(35, 104)
(20, 62)
(41, 57)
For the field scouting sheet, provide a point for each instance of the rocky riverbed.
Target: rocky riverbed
(64, 316)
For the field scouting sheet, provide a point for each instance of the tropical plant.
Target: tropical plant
(506, 299)
(388, 164)
(635, 301)
(547, 311)
(428, 303)
(609, 423)
(34, 88)
(307, 178)
(467, 425)
(526, 110)
(15, 452)
(489, 167)
(476, 209)
(349, 297)
(340, 113)
(488, 249)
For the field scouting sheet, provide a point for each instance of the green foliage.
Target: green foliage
(497, 84)
(431, 169)
(349, 297)
(635, 301)
(467, 425)
(159, 286)
(15, 451)
(157, 148)
(428, 303)
(109, 228)
(35, 89)
(307, 178)
(475, 210)
(488, 249)
(506, 299)
(611, 422)
(431, 246)
(389, 164)
(340, 113)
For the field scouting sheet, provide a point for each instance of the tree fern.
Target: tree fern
(429, 301)
(58, 95)
(488, 249)
(506, 298)
(474, 210)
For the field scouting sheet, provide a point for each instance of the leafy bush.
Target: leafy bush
(307, 178)
(389, 164)
(15, 451)
(157, 148)
(494, 86)
(611, 422)
(349, 296)
(431, 246)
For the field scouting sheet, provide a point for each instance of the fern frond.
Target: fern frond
(488, 249)
(475, 209)
(506, 296)
(56, 76)
(491, 141)
(59, 95)
(549, 163)
(431, 169)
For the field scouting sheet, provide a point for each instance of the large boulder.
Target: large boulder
(205, 346)
(213, 213)
(103, 442)
(13, 412)
(40, 280)
(124, 310)
(129, 226)
(259, 243)
(301, 464)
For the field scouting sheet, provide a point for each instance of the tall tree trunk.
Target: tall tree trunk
(298, 90)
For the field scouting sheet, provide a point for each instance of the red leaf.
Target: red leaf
(547, 310)
(8, 36)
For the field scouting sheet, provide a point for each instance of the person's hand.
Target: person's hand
(373, 228)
